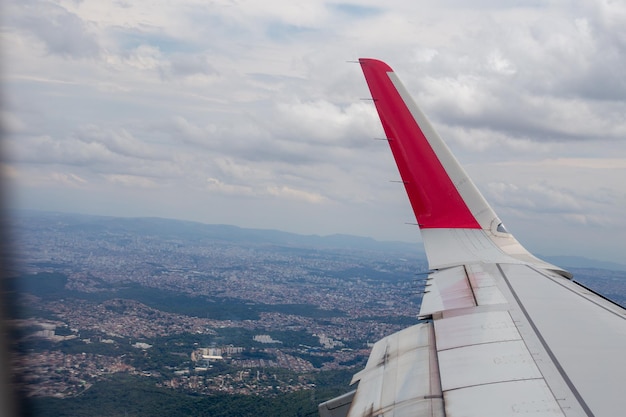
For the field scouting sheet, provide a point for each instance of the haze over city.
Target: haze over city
(248, 113)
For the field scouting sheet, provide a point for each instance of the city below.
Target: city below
(219, 313)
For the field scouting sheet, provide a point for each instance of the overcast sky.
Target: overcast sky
(248, 113)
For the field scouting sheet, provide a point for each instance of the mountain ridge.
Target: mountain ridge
(225, 232)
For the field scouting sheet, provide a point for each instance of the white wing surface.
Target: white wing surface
(504, 333)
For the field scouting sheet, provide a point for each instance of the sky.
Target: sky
(250, 113)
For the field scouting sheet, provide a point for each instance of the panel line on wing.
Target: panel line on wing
(471, 287)
(486, 384)
(545, 345)
(466, 345)
(526, 397)
(433, 364)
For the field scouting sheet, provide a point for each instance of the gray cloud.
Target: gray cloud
(120, 142)
(555, 78)
(183, 65)
(61, 31)
(537, 198)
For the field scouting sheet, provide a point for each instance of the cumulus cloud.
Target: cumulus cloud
(553, 77)
(587, 220)
(132, 181)
(324, 123)
(144, 57)
(605, 163)
(537, 198)
(185, 65)
(215, 185)
(70, 179)
(119, 142)
(61, 31)
(86, 146)
(46, 149)
(293, 132)
(278, 191)
(291, 193)
(63, 179)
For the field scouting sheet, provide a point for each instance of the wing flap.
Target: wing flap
(448, 289)
(487, 363)
(531, 398)
(466, 330)
(484, 285)
(401, 377)
(460, 287)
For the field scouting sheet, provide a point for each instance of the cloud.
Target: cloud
(604, 163)
(536, 198)
(86, 146)
(283, 32)
(61, 31)
(70, 179)
(509, 76)
(290, 193)
(8, 172)
(215, 185)
(320, 122)
(292, 132)
(48, 150)
(185, 65)
(486, 139)
(53, 179)
(131, 181)
(355, 10)
(10, 123)
(278, 191)
(580, 194)
(120, 142)
(587, 220)
(145, 57)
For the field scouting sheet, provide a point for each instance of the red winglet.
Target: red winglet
(435, 200)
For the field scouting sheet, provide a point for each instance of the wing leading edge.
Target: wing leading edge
(505, 334)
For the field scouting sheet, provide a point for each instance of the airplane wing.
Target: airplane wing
(504, 333)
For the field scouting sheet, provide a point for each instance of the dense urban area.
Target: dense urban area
(122, 315)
